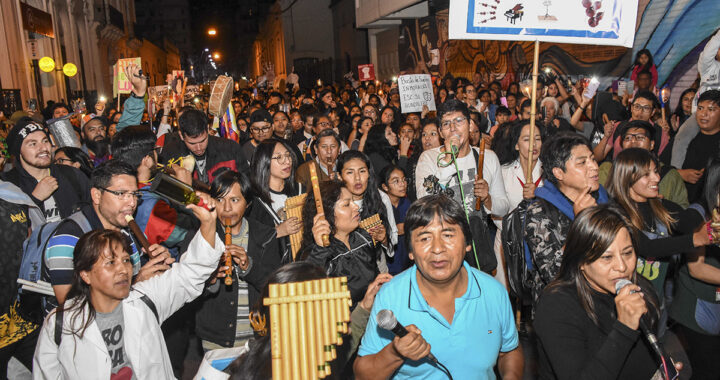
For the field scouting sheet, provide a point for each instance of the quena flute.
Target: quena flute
(138, 233)
(228, 256)
(318, 198)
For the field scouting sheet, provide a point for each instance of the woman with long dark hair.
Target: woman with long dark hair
(272, 175)
(683, 111)
(381, 147)
(644, 62)
(351, 251)
(359, 135)
(395, 185)
(358, 175)
(584, 330)
(106, 316)
(666, 229)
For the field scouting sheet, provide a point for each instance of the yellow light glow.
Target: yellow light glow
(212, 32)
(70, 69)
(46, 64)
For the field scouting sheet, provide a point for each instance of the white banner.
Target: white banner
(415, 91)
(597, 22)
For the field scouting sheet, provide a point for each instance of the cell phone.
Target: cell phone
(32, 104)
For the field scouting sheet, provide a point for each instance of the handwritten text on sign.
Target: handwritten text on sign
(416, 91)
(124, 86)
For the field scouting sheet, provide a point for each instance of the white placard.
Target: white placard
(416, 91)
(598, 22)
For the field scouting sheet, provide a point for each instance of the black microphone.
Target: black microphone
(386, 320)
(649, 335)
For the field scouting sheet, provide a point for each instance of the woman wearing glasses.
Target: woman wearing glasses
(272, 175)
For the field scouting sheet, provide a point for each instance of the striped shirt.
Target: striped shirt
(59, 256)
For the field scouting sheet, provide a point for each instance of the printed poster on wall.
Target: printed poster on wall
(415, 91)
(598, 22)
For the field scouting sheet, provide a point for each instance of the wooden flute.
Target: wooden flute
(318, 198)
(228, 256)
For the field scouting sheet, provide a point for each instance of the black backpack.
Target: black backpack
(517, 255)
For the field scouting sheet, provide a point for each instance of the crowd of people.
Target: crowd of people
(529, 236)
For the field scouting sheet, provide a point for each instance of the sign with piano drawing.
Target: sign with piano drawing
(597, 22)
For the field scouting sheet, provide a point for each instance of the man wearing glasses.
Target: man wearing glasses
(643, 108)
(640, 134)
(114, 193)
(260, 130)
(437, 173)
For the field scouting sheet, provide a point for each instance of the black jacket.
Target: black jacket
(220, 153)
(358, 263)
(216, 317)
(73, 186)
(571, 346)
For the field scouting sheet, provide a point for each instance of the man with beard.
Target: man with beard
(54, 188)
(114, 195)
(211, 153)
(95, 141)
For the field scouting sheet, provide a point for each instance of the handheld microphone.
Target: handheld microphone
(387, 321)
(670, 371)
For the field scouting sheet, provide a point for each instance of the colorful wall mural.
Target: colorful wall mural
(675, 31)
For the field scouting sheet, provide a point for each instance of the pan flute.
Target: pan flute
(307, 322)
(294, 207)
(370, 223)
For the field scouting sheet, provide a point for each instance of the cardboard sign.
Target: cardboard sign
(123, 84)
(366, 72)
(416, 91)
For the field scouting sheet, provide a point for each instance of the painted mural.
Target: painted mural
(675, 31)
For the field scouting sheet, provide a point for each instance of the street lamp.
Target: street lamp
(212, 32)
(216, 55)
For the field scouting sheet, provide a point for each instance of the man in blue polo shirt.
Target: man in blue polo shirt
(464, 314)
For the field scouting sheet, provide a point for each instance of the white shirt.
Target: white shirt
(87, 357)
(512, 175)
(447, 179)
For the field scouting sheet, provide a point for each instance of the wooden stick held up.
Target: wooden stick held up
(318, 198)
(481, 161)
(533, 110)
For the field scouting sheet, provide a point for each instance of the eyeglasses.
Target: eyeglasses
(124, 195)
(635, 137)
(280, 158)
(59, 161)
(644, 109)
(260, 130)
(397, 181)
(458, 121)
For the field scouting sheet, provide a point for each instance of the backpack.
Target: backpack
(33, 259)
(59, 316)
(517, 254)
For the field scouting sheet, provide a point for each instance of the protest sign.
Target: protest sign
(122, 82)
(415, 91)
(366, 72)
(598, 22)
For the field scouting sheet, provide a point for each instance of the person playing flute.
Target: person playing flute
(222, 317)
